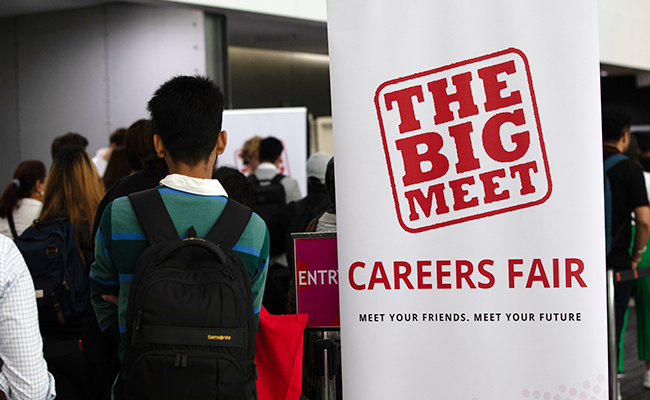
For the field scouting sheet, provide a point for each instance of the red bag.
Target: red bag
(278, 354)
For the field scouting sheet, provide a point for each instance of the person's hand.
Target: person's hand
(114, 299)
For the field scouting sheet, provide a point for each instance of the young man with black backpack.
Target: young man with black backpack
(180, 270)
(273, 191)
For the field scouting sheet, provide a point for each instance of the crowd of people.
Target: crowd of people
(172, 157)
(627, 214)
(174, 152)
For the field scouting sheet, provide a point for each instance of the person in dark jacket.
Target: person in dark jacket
(301, 212)
(150, 169)
(317, 199)
(100, 349)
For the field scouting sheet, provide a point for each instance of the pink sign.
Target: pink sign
(317, 279)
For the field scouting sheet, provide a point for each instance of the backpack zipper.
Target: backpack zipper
(147, 282)
(180, 358)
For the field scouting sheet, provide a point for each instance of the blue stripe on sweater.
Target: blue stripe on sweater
(128, 236)
(247, 250)
(107, 282)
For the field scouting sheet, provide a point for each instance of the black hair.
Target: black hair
(117, 168)
(69, 139)
(643, 140)
(117, 137)
(138, 142)
(616, 122)
(236, 185)
(270, 149)
(186, 113)
(27, 174)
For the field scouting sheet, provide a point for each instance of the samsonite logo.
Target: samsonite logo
(463, 141)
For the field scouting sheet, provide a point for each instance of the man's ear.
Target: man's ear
(159, 146)
(221, 142)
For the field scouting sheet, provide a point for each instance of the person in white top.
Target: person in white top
(103, 155)
(22, 199)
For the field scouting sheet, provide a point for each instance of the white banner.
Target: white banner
(469, 199)
(288, 124)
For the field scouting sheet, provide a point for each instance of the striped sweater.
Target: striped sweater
(120, 242)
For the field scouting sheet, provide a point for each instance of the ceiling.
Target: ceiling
(244, 29)
(276, 33)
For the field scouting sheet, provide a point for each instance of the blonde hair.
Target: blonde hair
(74, 190)
(250, 149)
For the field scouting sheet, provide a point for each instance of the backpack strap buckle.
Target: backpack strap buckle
(57, 308)
(51, 249)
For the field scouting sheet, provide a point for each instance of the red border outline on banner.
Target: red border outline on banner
(485, 214)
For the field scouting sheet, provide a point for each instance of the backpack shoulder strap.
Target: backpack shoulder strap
(613, 160)
(253, 180)
(230, 225)
(153, 216)
(276, 179)
(12, 226)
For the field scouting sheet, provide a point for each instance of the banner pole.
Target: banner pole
(611, 333)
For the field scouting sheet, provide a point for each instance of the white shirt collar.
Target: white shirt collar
(201, 187)
(267, 165)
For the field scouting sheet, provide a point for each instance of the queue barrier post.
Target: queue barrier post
(326, 367)
(611, 334)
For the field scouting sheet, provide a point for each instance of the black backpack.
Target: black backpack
(62, 287)
(271, 205)
(190, 323)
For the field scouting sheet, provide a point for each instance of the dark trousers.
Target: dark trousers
(622, 292)
(101, 358)
(276, 290)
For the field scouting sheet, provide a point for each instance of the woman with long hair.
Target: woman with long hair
(118, 167)
(21, 202)
(74, 191)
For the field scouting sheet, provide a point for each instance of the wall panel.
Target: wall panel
(89, 71)
(9, 156)
(146, 47)
(61, 79)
